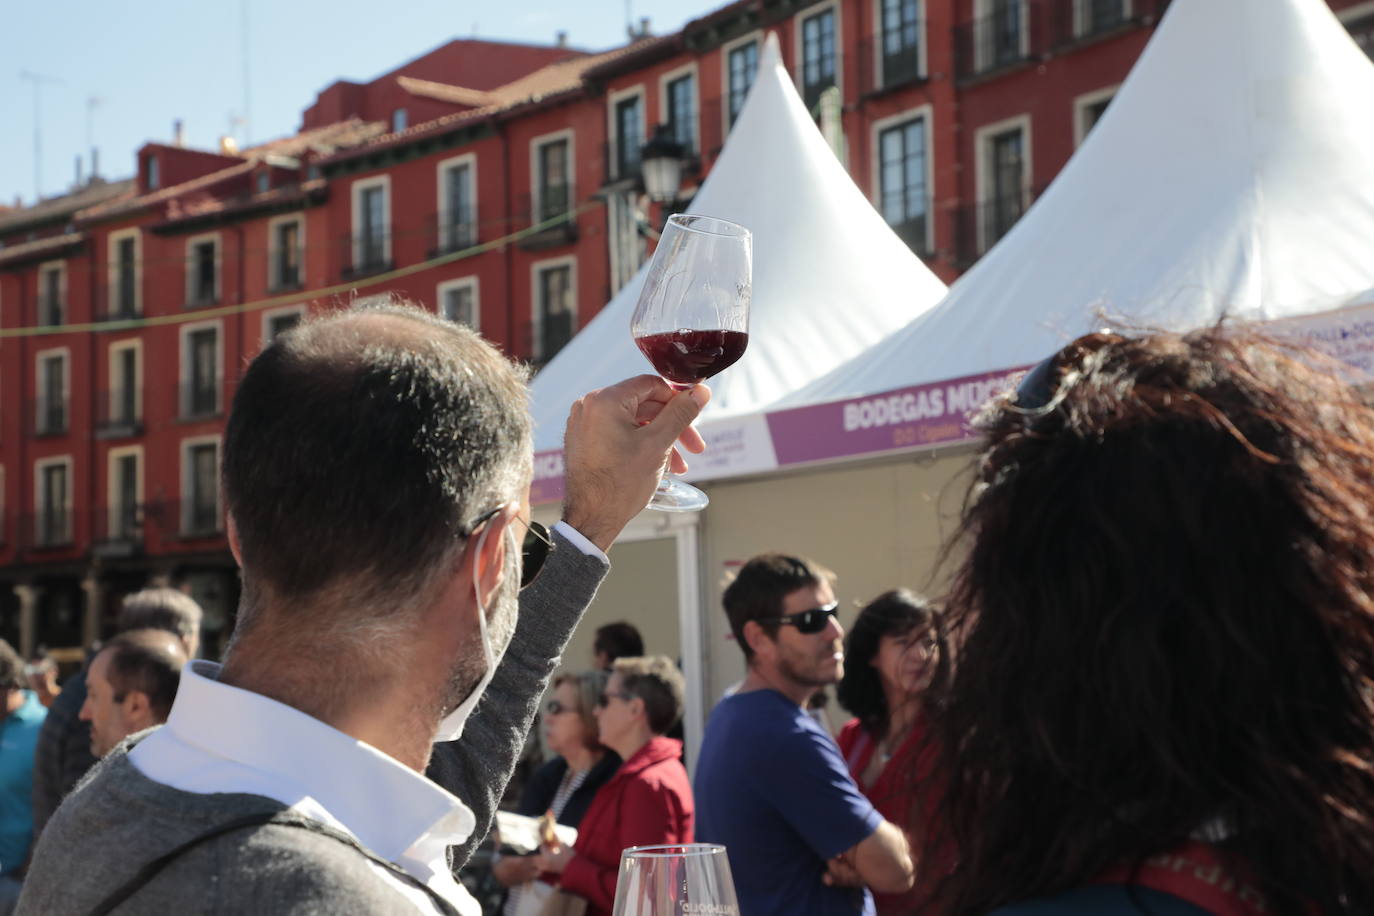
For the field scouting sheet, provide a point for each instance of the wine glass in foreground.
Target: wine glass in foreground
(692, 319)
(691, 880)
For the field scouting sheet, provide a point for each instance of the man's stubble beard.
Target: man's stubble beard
(503, 613)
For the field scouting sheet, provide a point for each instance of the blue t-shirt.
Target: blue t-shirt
(18, 737)
(772, 786)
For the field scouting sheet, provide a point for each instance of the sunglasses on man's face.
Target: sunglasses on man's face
(534, 550)
(808, 622)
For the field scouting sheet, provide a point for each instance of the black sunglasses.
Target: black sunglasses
(604, 699)
(808, 622)
(556, 708)
(534, 550)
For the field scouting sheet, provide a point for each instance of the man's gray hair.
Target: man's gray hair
(361, 447)
(161, 609)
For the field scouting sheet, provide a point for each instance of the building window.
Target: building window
(458, 301)
(1362, 30)
(743, 66)
(202, 266)
(276, 323)
(124, 520)
(904, 197)
(286, 255)
(1088, 110)
(123, 398)
(901, 41)
(556, 306)
(818, 56)
(200, 488)
(999, 34)
(457, 213)
(371, 242)
(264, 182)
(200, 378)
(681, 108)
(124, 276)
(398, 120)
(629, 135)
(554, 193)
(53, 388)
(1093, 17)
(51, 294)
(53, 521)
(151, 177)
(1008, 183)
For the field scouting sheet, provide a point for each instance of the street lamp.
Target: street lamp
(661, 160)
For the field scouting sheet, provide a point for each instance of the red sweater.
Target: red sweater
(647, 801)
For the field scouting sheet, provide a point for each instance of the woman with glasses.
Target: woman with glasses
(566, 784)
(649, 800)
(890, 654)
(1164, 615)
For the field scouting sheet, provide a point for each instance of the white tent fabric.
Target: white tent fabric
(1232, 175)
(830, 276)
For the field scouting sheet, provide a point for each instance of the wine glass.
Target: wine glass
(692, 319)
(675, 881)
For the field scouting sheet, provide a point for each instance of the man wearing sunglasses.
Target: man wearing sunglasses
(377, 466)
(771, 784)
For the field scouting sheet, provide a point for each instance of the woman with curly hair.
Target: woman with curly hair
(890, 655)
(1164, 620)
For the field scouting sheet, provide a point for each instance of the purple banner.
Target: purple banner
(923, 415)
(547, 486)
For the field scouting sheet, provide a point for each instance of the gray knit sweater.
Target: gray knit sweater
(118, 820)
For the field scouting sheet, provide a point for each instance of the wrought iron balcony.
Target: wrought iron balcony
(119, 530)
(366, 254)
(194, 519)
(117, 413)
(451, 230)
(47, 530)
(199, 401)
(50, 418)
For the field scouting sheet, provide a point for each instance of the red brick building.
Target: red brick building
(497, 183)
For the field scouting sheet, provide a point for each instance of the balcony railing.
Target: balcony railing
(887, 65)
(915, 231)
(47, 530)
(553, 203)
(51, 312)
(553, 335)
(1081, 20)
(50, 418)
(1015, 32)
(116, 303)
(117, 413)
(286, 272)
(194, 519)
(366, 254)
(620, 161)
(197, 401)
(451, 230)
(202, 295)
(981, 225)
(119, 530)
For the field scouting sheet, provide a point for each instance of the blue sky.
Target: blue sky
(152, 61)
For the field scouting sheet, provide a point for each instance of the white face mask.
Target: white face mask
(451, 726)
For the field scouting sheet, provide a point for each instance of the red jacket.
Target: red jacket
(647, 801)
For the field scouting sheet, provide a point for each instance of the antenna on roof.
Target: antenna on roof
(39, 81)
(247, 119)
(92, 103)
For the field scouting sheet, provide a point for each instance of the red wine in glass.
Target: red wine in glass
(685, 357)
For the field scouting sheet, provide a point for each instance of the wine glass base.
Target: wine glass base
(673, 495)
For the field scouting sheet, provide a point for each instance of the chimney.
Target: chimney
(561, 38)
(95, 162)
(78, 171)
(643, 26)
(178, 133)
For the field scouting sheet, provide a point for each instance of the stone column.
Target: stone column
(94, 591)
(28, 617)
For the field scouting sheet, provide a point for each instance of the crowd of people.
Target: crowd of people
(1147, 688)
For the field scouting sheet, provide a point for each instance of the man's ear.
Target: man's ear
(138, 711)
(232, 530)
(490, 553)
(757, 638)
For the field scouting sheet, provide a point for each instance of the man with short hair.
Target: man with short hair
(615, 640)
(63, 754)
(131, 685)
(771, 784)
(376, 470)
(20, 720)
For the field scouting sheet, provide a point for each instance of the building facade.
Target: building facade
(498, 184)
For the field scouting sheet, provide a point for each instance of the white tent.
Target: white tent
(830, 276)
(1233, 174)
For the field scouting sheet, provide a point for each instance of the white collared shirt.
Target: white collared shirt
(220, 738)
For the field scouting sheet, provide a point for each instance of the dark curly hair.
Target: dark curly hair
(1164, 612)
(893, 613)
